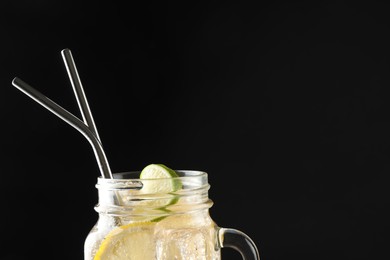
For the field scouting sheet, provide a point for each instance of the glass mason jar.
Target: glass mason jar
(134, 224)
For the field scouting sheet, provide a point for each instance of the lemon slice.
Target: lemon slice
(132, 241)
(161, 179)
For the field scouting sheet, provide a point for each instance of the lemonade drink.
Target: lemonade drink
(160, 217)
(158, 225)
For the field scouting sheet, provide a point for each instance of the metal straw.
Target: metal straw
(79, 91)
(71, 120)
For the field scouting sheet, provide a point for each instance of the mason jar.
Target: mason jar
(138, 224)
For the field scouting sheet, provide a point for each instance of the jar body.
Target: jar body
(191, 235)
(134, 224)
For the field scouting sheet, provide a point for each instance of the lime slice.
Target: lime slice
(132, 241)
(161, 183)
(162, 179)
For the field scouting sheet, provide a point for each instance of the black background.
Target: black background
(284, 104)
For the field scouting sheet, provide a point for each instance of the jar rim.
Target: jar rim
(134, 175)
(123, 180)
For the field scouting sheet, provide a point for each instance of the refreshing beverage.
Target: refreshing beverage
(161, 218)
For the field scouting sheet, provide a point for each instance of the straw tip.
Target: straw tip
(65, 50)
(15, 80)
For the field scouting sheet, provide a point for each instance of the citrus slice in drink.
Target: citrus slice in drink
(132, 241)
(161, 179)
(160, 182)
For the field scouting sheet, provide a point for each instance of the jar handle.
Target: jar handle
(239, 241)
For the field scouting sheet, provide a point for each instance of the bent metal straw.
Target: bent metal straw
(79, 91)
(71, 120)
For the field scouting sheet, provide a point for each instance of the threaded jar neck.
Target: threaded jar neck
(124, 194)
